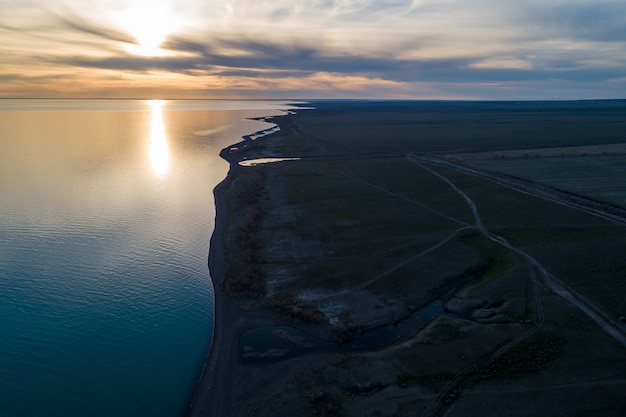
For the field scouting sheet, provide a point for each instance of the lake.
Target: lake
(106, 212)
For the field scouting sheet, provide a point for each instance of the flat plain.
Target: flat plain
(430, 259)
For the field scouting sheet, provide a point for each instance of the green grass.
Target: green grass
(497, 258)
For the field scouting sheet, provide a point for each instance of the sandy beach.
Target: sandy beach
(217, 384)
(213, 396)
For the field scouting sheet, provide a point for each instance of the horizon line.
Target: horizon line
(323, 99)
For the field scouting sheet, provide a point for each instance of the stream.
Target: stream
(270, 344)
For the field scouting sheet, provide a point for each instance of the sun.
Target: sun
(150, 22)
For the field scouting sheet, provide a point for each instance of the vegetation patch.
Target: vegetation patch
(526, 357)
(296, 310)
(347, 332)
(325, 405)
(364, 390)
(497, 259)
(248, 283)
(432, 382)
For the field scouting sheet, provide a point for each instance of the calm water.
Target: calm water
(106, 211)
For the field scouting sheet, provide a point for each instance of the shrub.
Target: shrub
(348, 332)
(296, 310)
(248, 283)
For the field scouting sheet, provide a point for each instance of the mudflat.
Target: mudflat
(390, 263)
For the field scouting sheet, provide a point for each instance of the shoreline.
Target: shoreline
(207, 400)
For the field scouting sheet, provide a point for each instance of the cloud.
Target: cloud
(133, 63)
(241, 57)
(238, 54)
(251, 73)
(10, 77)
(599, 20)
(82, 25)
(330, 46)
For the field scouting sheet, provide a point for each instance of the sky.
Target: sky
(404, 49)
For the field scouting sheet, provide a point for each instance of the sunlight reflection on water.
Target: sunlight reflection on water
(159, 149)
(105, 220)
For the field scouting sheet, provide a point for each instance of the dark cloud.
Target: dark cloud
(68, 22)
(544, 75)
(277, 74)
(598, 21)
(273, 60)
(10, 77)
(256, 55)
(136, 63)
(85, 26)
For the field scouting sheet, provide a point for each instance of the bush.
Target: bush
(248, 283)
(348, 331)
(296, 310)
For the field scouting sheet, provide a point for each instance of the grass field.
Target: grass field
(598, 171)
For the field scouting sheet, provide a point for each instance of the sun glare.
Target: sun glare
(149, 21)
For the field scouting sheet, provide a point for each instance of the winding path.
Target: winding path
(594, 311)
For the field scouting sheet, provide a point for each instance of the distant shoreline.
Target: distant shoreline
(209, 400)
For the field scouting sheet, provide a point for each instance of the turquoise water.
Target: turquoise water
(106, 211)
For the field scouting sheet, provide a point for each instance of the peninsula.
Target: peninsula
(422, 259)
